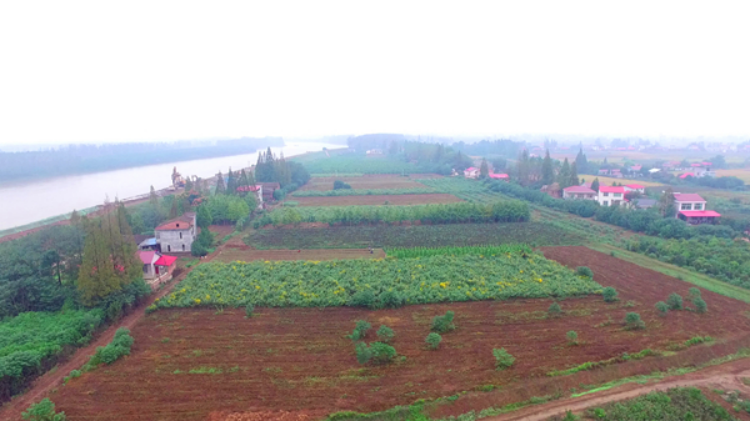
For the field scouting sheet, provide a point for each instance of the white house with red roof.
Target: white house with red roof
(157, 268)
(691, 208)
(177, 235)
(579, 192)
(499, 176)
(256, 189)
(611, 195)
(471, 173)
(635, 187)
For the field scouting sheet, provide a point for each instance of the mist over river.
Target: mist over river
(27, 202)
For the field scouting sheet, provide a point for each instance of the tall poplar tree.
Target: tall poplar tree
(484, 169)
(231, 183)
(563, 178)
(573, 181)
(220, 187)
(595, 185)
(548, 172)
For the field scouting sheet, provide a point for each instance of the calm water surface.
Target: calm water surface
(28, 202)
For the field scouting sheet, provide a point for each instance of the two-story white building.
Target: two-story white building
(177, 235)
(611, 195)
(691, 208)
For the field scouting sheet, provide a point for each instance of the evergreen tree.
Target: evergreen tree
(523, 168)
(96, 277)
(153, 198)
(128, 259)
(243, 181)
(548, 172)
(666, 203)
(75, 218)
(251, 178)
(581, 161)
(231, 183)
(484, 169)
(203, 219)
(220, 188)
(573, 175)
(595, 185)
(563, 178)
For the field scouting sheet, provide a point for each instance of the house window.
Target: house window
(686, 207)
(183, 247)
(606, 193)
(698, 206)
(180, 235)
(145, 268)
(617, 195)
(169, 248)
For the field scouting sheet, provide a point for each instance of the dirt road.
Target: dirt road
(726, 377)
(41, 387)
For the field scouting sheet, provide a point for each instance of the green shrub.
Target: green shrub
(572, 337)
(570, 416)
(360, 330)
(42, 411)
(382, 353)
(503, 359)
(249, 309)
(554, 309)
(338, 184)
(633, 321)
(385, 334)
(700, 305)
(433, 340)
(443, 323)
(363, 352)
(599, 414)
(695, 293)
(610, 294)
(117, 348)
(662, 308)
(363, 298)
(75, 373)
(674, 302)
(585, 271)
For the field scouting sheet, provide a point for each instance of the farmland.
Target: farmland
(231, 254)
(377, 181)
(742, 174)
(377, 283)
(534, 233)
(298, 360)
(338, 201)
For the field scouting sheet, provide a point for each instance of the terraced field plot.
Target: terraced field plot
(375, 181)
(337, 201)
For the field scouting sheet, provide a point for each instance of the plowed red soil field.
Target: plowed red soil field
(372, 181)
(246, 254)
(340, 201)
(203, 363)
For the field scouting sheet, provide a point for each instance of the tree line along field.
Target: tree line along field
(299, 361)
(244, 253)
(396, 199)
(534, 233)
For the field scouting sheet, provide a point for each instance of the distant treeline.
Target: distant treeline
(77, 159)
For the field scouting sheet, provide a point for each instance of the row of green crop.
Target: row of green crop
(461, 212)
(419, 252)
(377, 283)
(364, 192)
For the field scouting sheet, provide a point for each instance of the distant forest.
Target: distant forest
(78, 159)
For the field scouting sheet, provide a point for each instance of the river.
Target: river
(27, 202)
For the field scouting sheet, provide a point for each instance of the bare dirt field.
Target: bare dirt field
(340, 201)
(297, 364)
(371, 181)
(245, 253)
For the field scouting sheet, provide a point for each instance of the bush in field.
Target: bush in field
(554, 309)
(433, 340)
(42, 411)
(610, 294)
(700, 305)
(117, 348)
(674, 301)
(585, 271)
(382, 353)
(249, 309)
(385, 334)
(662, 307)
(390, 299)
(360, 330)
(443, 323)
(363, 353)
(633, 321)
(694, 293)
(503, 359)
(572, 337)
(338, 184)
(363, 298)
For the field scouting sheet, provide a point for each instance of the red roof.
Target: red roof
(706, 163)
(696, 165)
(682, 197)
(635, 186)
(248, 188)
(175, 225)
(612, 189)
(700, 213)
(685, 175)
(498, 176)
(471, 169)
(578, 189)
(146, 256)
(165, 260)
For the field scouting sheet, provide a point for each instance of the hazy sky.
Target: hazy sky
(99, 71)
